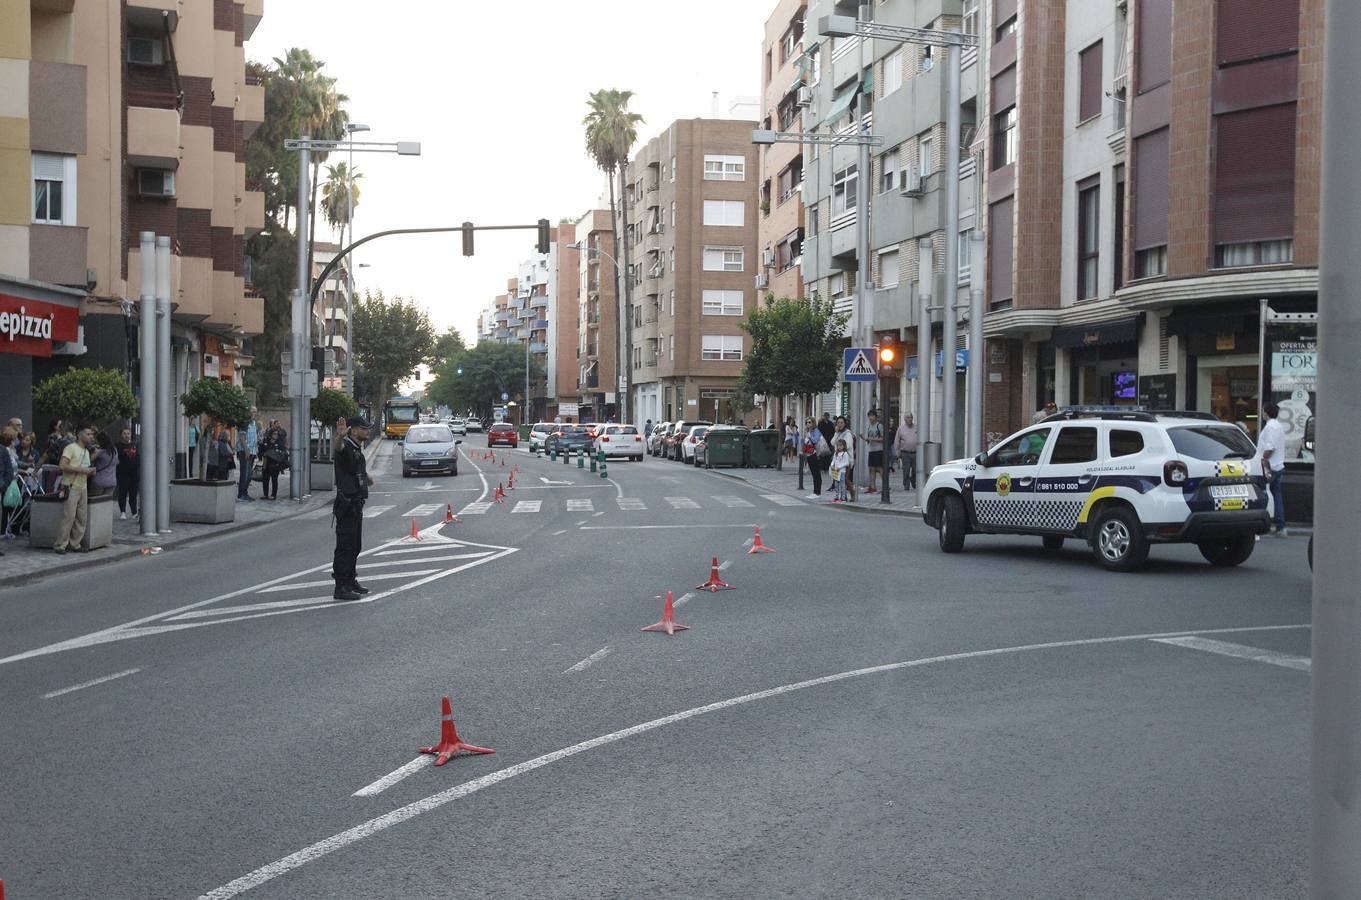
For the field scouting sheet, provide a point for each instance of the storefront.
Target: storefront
(39, 331)
(1102, 364)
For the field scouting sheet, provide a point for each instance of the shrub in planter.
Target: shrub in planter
(222, 403)
(328, 406)
(94, 397)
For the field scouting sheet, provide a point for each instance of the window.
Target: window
(725, 168)
(1150, 214)
(888, 268)
(927, 58)
(965, 263)
(811, 219)
(971, 17)
(1254, 253)
(1075, 444)
(1154, 61)
(1118, 227)
(1088, 237)
(1126, 443)
(673, 302)
(1023, 450)
(1211, 442)
(673, 210)
(1254, 182)
(893, 72)
(673, 176)
(1150, 263)
(836, 284)
(54, 189)
(888, 171)
(1000, 223)
(814, 66)
(671, 348)
(1004, 138)
(724, 259)
(722, 303)
(790, 179)
(727, 347)
(844, 184)
(1006, 28)
(789, 249)
(1089, 83)
(673, 259)
(926, 157)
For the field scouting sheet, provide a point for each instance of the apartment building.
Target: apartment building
(596, 349)
(692, 194)
(784, 94)
(330, 313)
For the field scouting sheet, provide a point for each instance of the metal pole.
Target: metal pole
(146, 345)
(977, 443)
(165, 388)
(949, 334)
(863, 334)
(298, 484)
(1336, 764)
(350, 265)
(925, 277)
(624, 404)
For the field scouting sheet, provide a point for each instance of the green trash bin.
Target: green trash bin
(764, 448)
(725, 447)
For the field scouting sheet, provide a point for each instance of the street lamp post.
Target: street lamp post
(350, 129)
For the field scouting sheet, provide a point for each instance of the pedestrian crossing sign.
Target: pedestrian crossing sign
(858, 364)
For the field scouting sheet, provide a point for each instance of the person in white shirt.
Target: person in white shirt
(1271, 450)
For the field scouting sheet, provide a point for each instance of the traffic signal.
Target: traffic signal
(459, 370)
(467, 238)
(889, 357)
(543, 235)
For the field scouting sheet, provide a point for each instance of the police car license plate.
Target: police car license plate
(1225, 491)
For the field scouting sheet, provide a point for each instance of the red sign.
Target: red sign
(31, 327)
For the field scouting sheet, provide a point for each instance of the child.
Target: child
(841, 461)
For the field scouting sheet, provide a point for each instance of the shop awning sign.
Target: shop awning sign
(31, 327)
(1294, 364)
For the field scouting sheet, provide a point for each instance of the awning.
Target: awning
(1114, 332)
(1218, 319)
(841, 103)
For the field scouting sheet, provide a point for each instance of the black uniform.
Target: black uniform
(352, 489)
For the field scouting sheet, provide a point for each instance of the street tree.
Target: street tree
(447, 346)
(93, 397)
(393, 337)
(476, 378)
(221, 403)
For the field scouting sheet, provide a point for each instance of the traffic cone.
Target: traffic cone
(500, 495)
(714, 584)
(757, 546)
(449, 519)
(667, 624)
(510, 482)
(450, 744)
(415, 534)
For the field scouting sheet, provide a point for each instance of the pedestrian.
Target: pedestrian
(225, 460)
(128, 474)
(813, 446)
(105, 461)
(905, 443)
(274, 448)
(28, 452)
(874, 440)
(791, 437)
(193, 445)
(1271, 451)
(9, 477)
(843, 433)
(1049, 408)
(827, 428)
(75, 474)
(247, 445)
(352, 489)
(841, 468)
(647, 429)
(56, 442)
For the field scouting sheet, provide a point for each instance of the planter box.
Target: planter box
(323, 475)
(206, 502)
(45, 519)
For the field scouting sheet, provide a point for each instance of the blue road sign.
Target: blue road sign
(858, 364)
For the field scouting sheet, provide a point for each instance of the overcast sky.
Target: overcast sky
(495, 93)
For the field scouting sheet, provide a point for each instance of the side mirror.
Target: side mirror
(981, 459)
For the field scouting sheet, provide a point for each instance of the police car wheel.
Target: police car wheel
(1053, 541)
(951, 527)
(1228, 551)
(1118, 541)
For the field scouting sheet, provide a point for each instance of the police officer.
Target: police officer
(352, 489)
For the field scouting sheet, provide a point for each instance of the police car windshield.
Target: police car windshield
(1211, 442)
(440, 435)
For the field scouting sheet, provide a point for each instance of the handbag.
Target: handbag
(275, 454)
(257, 472)
(13, 496)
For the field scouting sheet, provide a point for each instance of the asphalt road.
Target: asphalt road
(862, 716)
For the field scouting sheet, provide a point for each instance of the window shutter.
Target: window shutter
(1004, 90)
(1248, 29)
(1150, 189)
(1255, 175)
(1003, 10)
(1089, 87)
(999, 267)
(48, 167)
(1154, 58)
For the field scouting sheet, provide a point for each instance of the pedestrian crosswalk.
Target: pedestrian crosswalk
(373, 512)
(426, 511)
(682, 503)
(527, 506)
(580, 506)
(631, 503)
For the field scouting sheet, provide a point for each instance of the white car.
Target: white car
(686, 445)
(620, 440)
(1118, 481)
(472, 424)
(538, 435)
(457, 426)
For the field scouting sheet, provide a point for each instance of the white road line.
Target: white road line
(580, 506)
(478, 508)
(527, 506)
(402, 814)
(422, 560)
(251, 607)
(393, 777)
(684, 598)
(590, 660)
(556, 533)
(723, 566)
(453, 545)
(425, 509)
(733, 502)
(618, 489)
(314, 584)
(598, 515)
(1240, 651)
(630, 503)
(91, 683)
(783, 499)
(372, 512)
(653, 527)
(681, 503)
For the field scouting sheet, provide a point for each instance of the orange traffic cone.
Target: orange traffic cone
(510, 482)
(668, 622)
(450, 744)
(714, 584)
(449, 519)
(757, 546)
(500, 495)
(415, 534)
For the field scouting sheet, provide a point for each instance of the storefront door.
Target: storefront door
(1227, 387)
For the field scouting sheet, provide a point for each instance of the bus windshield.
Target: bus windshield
(406, 414)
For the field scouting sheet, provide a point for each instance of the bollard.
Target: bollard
(593, 468)
(553, 453)
(603, 473)
(581, 458)
(567, 456)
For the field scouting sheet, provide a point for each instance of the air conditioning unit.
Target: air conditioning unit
(762, 281)
(657, 271)
(911, 183)
(767, 257)
(155, 183)
(146, 51)
(805, 97)
(655, 229)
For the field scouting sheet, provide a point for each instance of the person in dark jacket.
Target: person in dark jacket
(274, 450)
(128, 474)
(105, 461)
(352, 490)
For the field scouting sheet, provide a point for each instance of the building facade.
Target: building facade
(330, 313)
(596, 348)
(785, 93)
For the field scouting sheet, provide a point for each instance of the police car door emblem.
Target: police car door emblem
(1003, 484)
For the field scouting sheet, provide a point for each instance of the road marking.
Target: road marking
(723, 566)
(580, 506)
(445, 490)
(550, 481)
(372, 512)
(598, 515)
(406, 550)
(783, 499)
(527, 506)
(392, 778)
(478, 508)
(379, 824)
(91, 683)
(428, 486)
(425, 509)
(654, 527)
(682, 503)
(556, 533)
(733, 502)
(321, 513)
(630, 503)
(1240, 651)
(684, 598)
(422, 560)
(251, 607)
(618, 489)
(589, 661)
(313, 584)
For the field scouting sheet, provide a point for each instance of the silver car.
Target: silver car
(429, 449)
(457, 426)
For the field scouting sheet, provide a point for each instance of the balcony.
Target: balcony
(226, 300)
(251, 317)
(56, 254)
(154, 140)
(150, 15)
(502, 315)
(252, 212)
(538, 348)
(255, 11)
(250, 106)
(58, 89)
(539, 324)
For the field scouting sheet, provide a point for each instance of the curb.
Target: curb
(851, 507)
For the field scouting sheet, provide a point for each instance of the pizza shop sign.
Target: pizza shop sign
(31, 327)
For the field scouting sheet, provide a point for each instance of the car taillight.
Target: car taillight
(605, 439)
(1175, 473)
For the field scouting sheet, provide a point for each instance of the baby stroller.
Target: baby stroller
(30, 486)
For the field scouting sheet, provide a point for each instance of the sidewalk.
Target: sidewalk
(23, 563)
(901, 503)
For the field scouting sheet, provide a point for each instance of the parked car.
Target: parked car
(429, 449)
(569, 437)
(619, 440)
(657, 440)
(503, 433)
(457, 427)
(538, 434)
(678, 433)
(687, 443)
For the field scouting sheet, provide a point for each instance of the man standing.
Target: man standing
(247, 443)
(1271, 449)
(352, 489)
(647, 429)
(75, 473)
(905, 443)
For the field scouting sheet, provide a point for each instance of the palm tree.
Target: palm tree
(611, 132)
(339, 196)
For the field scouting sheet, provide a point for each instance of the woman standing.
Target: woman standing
(274, 449)
(9, 471)
(105, 464)
(128, 474)
(28, 452)
(812, 444)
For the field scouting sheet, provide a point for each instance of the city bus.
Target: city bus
(399, 414)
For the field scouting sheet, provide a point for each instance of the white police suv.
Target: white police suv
(1119, 480)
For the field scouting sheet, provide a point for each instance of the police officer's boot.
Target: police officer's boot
(344, 592)
(357, 587)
